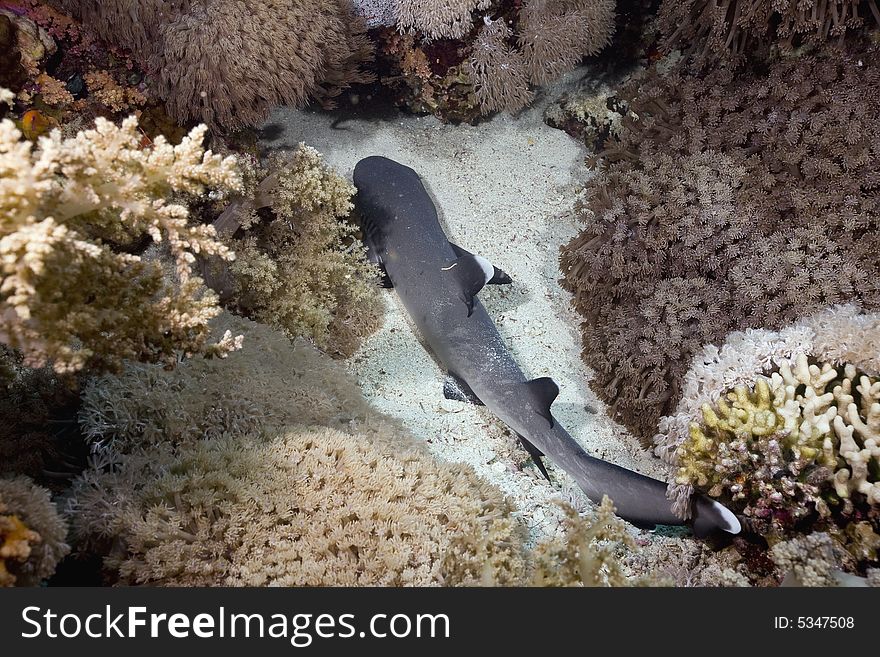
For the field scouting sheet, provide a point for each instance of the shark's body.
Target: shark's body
(436, 282)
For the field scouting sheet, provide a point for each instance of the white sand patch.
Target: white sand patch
(505, 190)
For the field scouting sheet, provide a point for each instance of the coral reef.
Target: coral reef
(498, 71)
(733, 30)
(32, 534)
(556, 34)
(227, 63)
(448, 19)
(462, 59)
(111, 94)
(302, 507)
(725, 204)
(302, 269)
(784, 431)
(266, 383)
(66, 296)
(271, 468)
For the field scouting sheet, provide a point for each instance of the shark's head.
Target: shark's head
(710, 516)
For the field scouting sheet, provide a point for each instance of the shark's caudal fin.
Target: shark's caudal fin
(499, 276)
(710, 516)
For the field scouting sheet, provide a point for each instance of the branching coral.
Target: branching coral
(302, 270)
(735, 29)
(111, 94)
(795, 438)
(227, 63)
(65, 295)
(32, 534)
(693, 230)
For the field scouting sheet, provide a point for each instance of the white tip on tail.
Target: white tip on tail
(486, 266)
(732, 524)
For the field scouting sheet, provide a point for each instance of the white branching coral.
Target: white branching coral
(785, 424)
(66, 296)
(449, 19)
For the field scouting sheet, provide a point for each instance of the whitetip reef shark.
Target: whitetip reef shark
(437, 283)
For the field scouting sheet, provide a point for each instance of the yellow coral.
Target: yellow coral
(111, 94)
(32, 533)
(15, 544)
(65, 295)
(52, 91)
(303, 271)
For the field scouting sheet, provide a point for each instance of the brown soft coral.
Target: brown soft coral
(730, 203)
(733, 30)
(227, 63)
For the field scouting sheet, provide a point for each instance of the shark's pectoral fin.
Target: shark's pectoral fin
(499, 276)
(374, 257)
(456, 389)
(384, 280)
(536, 455)
(543, 391)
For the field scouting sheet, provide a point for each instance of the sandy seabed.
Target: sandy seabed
(504, 189)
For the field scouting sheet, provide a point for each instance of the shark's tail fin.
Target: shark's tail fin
(710, 516)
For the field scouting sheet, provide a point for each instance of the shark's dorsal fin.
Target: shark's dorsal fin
(471, 273)
(456, 389)
(499, 276)
(544, 392)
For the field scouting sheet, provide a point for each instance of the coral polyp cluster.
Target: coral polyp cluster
(784, 427)
(790, 445)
